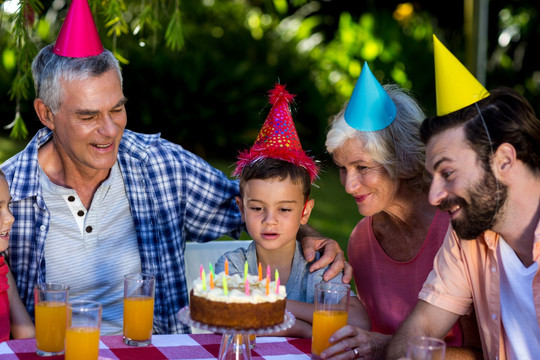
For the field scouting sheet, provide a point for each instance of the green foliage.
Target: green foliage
(18, 128)
(212, 62)
(174, 35)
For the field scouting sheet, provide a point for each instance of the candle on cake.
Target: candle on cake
(203, 278)
(211, 276)
(267, 279)
(246, 287)
(277, 282)
(225, 290)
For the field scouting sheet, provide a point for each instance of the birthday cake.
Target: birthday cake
(230, 301)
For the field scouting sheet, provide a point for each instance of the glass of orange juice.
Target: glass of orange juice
(50, 312)
(330, 314)
(138, 308)
(82, 333)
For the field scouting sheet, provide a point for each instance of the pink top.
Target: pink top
(388, 288)
(4, 302)
(466, 275)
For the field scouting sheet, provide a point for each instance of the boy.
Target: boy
(275, 183)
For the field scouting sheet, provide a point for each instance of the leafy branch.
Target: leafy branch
(24, 31)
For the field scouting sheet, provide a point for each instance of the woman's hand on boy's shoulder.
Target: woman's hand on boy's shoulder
(332, 255)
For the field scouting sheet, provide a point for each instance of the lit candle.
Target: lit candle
(260, 272)
(225, 290)
(226, 267)
(246, 287)
(200, 271)
(203, 279)
(245, 270)
(267, 279)
(277, 282)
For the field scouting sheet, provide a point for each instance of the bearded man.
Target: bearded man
(485, 163)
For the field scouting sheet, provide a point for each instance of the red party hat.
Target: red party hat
(78, 36)
(278, 138)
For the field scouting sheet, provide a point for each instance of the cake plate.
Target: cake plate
(229, 348)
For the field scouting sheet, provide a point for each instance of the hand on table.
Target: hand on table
(351, 342)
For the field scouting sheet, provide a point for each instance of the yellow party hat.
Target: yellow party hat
(455, 86)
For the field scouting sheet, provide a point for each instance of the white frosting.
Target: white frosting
(236, 289)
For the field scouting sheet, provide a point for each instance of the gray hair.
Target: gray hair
(48, 69)
(397, 147)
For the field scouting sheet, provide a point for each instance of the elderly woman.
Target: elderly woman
(392, 247)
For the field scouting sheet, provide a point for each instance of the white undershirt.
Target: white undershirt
(92, 250)
(517, 306)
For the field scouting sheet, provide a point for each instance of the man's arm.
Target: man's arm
(425, 320)
(312, 241)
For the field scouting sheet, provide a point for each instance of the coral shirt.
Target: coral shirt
(389, 288)
(466, 274)
(4, 301)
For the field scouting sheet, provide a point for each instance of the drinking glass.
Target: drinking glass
(252, 340)
(330, 314)
(426, 348)
(50, 312)
(82, 333)
(138, 308)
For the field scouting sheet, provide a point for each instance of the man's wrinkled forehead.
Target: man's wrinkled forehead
(444, 147)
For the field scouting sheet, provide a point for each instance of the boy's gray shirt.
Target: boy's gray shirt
(301, 283)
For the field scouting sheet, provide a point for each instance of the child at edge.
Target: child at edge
(274, 201)
(14, 318)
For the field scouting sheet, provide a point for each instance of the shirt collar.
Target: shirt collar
(491, 238)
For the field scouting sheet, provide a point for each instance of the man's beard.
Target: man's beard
(486, 200)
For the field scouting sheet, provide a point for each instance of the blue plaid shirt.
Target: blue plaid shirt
(174, 197)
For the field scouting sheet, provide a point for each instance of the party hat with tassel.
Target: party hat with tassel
(278, 138)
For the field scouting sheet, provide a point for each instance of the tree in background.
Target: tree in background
(210, 62)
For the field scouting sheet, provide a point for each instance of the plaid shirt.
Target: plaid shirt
(174, 197)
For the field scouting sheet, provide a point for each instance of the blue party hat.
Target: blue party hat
(370, 108)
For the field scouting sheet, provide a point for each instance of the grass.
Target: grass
(335, 214)
(9, 147)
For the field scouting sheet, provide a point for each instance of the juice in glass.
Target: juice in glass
(138, 317)
(252, 340)
(50, 326)
(82, 343)
(325, 323)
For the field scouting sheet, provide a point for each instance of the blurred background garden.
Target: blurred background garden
(198, 71)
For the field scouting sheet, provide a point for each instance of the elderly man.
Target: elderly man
(94, 201)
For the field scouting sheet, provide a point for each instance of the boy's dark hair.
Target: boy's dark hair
(269, 168)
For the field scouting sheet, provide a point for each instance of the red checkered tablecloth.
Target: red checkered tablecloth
(194, 346)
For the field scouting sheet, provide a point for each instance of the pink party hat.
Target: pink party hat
(278, 138)
(78, 36)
